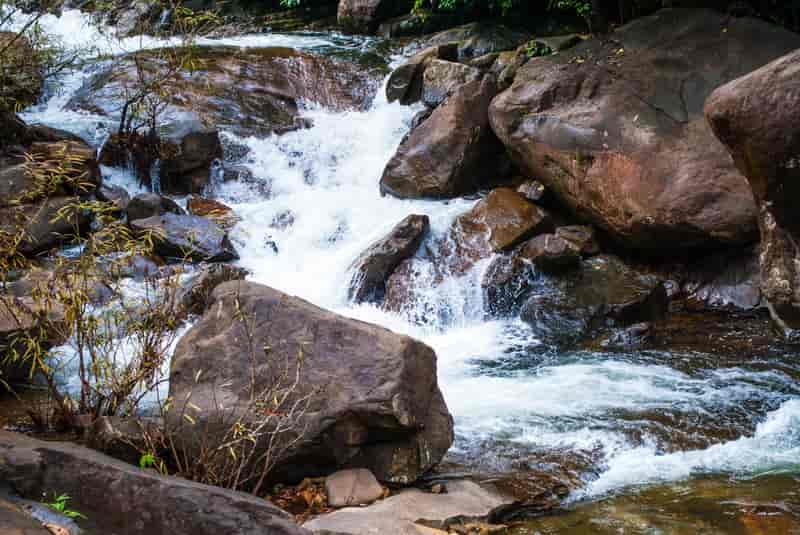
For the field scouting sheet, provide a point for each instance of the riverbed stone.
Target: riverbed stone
(551, 253)
(147, 205)
(375, 265)
(399, 513)
(506, 218)
(45, 224)
(603, 292)
(187, 237)
(356, 486)
(374, 399)
(615, 127)
(757, 117)
(123, 499)
(25, 315)
(452, 153)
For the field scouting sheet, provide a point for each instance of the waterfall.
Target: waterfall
(216, 177)
(155, 176)
(313, 205)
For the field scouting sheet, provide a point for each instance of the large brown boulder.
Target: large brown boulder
(757, 117)
(374, 403)
(120, 498)
(452, 153)
(615, 127)
(374, 266)
(244, 90)
(441, 78)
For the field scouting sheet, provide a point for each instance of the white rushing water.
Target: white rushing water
(324, 181)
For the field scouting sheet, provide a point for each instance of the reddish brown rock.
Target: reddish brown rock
(757, 117)
(452, 153)
(615, 127)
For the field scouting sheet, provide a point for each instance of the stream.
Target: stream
(679, 440)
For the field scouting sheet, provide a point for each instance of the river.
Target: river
(631, 426)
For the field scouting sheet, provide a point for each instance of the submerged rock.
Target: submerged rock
(757, 117)
(615, 127)
(374, 399)
(187, 237)
(604, 292)
(374, 266)
(244, 90)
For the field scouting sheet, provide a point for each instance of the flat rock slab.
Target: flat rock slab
(397, 515)
(121, 499)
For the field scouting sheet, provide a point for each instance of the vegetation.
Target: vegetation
(60, 505)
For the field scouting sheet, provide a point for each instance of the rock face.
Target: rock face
(757, 117)
(563, 310)
(378, 262)
(364, 16)
(114, 494)
(187, 237)
(506, 218)
(246, 91)
(379, 406)
(620, 136)
(452, 153)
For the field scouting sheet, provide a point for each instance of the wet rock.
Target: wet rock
(506, 218)
(604, 292)
(633, 337)
(47, 224)
(419, 118)
(441, 78)
(405, 82)
(114, 194)
(452, 153)
(398, 513)
(194, 295)
(506, 284)
(389, 417)
(374, 266)
(757, 117)
(620, 137)
(581, 237)
(116, 493)
(485, 62)
(187, 237)
(364, 16)
(212, 209)
(181, 160)
(725, 281)
(147, 205)
(551, 253)
(347, 488)
(248, 91)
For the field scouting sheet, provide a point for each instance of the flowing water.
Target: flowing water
(624, 420)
